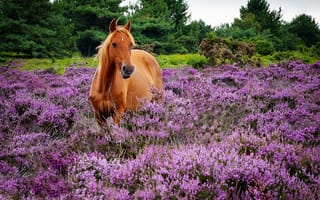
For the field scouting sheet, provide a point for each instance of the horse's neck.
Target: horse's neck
(106, 77)
(109, 82)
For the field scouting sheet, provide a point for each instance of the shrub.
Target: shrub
(264, 47)
(220, 133)
(221, 51)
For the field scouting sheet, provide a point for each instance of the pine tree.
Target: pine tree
(261, 9)
(159, 24)
(306, 28)
(34, 28)
(91, 19)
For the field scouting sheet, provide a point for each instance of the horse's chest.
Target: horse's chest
(115, 100)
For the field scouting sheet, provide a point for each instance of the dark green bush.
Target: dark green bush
(264, 47)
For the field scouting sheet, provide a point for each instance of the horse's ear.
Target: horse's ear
(128, 26)
(113, 25)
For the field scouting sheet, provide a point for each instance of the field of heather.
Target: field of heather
(221, 133)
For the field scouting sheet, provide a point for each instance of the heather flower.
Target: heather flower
(220, 133)
(47, 184)
(144, 194)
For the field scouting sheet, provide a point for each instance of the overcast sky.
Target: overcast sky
(217, 12)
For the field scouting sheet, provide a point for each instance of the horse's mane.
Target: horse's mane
(103, 56)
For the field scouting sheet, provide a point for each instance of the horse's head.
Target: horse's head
(119, 48)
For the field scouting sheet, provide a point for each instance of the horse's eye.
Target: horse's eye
(114, 44)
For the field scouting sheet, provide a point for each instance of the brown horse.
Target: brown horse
(124, 77)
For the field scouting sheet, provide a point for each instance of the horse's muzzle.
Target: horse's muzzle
(126, 71)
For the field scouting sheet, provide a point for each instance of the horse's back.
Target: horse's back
(146, 64)
(147, 75)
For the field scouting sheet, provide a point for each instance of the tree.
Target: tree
(247, 21)
(151, 25)
(193, 34)
(178, 11)
(257, 24)
(286, 40)
(159, 25)
(34, 28)
(261, 9)
(306, 28)
(91, 19)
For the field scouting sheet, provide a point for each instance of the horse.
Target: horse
(124, 77)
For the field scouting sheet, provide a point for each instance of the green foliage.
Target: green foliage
(91, 19)
(306, 56)
(294, 55)
(178, 60)
(273, 38)
(248, 21)
(306, 28)
(264, 47)
(261, 10)
(151, 21)
(285, 40)
(89, 40)
(34, 29)
(242, 31)
(160, 25)
(193, 34)
(315, 50)
(178, 14)
(153, 33)
(60, 28)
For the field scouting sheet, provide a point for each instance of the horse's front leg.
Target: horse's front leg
(118, 114)
(95, 103)
(100, 119)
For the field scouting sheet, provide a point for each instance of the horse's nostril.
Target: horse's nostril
(130, 69)
(126, 71)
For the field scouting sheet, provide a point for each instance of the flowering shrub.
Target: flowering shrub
(220, 133)
(221, 51)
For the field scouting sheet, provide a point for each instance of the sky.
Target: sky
(217, 12)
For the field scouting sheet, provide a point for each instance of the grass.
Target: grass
(178, 60)
(165, 61)
(58, 65)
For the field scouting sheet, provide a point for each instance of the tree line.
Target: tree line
(44, 28)
(266, 29)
